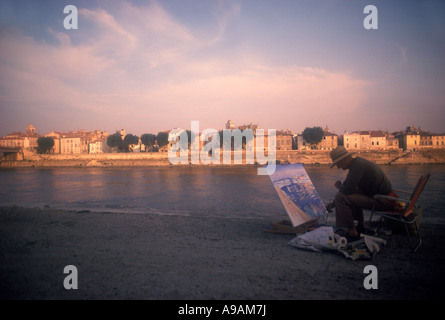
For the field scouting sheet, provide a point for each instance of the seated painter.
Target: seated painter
(363, 181)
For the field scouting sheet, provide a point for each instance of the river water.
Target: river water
(235, 192)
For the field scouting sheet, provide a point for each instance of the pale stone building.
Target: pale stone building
(392, 142)
(230, 125)
(78, 141)
(329, 142)
(20, 139)
(365, 140)
(378, 140)
(351, 141)
(70, 144)
(409, 139)
(426, 140)
(369, 140)
(284, 140)
(99, 146)
(15, 139)
(414, 139)
(300, 142)
(438, 141)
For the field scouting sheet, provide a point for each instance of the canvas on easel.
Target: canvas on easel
(298, 194)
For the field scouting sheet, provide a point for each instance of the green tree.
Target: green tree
(115, 142)
(45, 144)
(313, 135)
(148, 140)
(129, 140)
(162, 139)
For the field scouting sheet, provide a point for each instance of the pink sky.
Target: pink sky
(147, 68)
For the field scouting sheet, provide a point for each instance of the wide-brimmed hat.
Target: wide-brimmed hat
(339, 154)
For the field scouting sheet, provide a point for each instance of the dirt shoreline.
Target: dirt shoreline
(152, 257)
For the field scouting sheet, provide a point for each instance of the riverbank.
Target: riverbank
(147, 256)
(309, 157)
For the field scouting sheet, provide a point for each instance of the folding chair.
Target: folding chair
(406, 215)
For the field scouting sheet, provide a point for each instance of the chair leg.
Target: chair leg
(374, 223)
(414, 246)
(370, 222)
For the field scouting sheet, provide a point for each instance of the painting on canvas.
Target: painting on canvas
(297, 193)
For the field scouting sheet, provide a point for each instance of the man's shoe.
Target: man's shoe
(352, 238)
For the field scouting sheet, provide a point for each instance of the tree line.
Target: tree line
(151, 141)
(313, 136)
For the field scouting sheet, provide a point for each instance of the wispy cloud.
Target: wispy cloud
(224, 12)
(139, 63)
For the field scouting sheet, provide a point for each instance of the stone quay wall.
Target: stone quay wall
(309, 157)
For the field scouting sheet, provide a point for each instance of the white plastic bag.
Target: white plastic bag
(320, 239)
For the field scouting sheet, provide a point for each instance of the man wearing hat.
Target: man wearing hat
(364, 180)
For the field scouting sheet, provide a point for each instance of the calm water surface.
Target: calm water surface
(195, 191)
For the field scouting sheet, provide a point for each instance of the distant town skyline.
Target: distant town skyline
(150, 66)
(242, 127)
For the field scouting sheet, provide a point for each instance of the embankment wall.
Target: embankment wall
(310, 157)
(379, 157)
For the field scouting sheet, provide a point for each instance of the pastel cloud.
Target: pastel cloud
(142, 62)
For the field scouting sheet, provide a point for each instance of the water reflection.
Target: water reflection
(191, 190)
